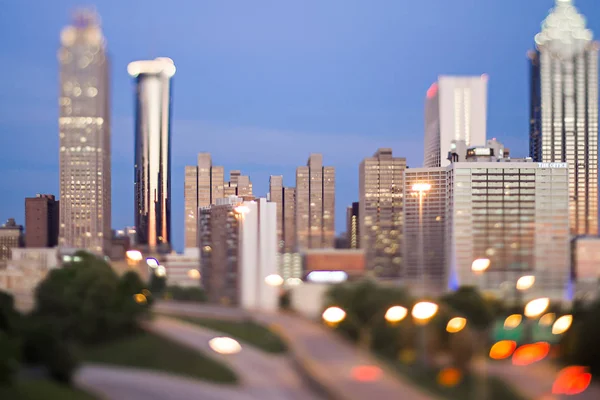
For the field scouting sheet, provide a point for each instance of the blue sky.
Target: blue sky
(261, 84)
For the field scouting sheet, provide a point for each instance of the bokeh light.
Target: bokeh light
(423, 311)
(449, 377)
(503, 349)
(140, 298)
(225, 345)
(525, 282)
(536, 307)
(513, 321)
(366, 373)
(396, 314)
(562, 324)
(334, 315)
(530, 353)
(572, 380)
(456, 324)
(547, 319)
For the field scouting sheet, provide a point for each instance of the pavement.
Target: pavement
(263, 376)
(324, 356)
(535, 381)
(117, 383)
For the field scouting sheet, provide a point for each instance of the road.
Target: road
(263, 376)
(117, 383)
(327, 358)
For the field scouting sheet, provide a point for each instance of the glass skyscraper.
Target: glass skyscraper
(564, 108)
(153, 151)
(84, 135)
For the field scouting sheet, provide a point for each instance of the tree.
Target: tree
(468, 302)
(9, 349)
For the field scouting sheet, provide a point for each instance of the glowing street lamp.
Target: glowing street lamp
(562, 324)
(456, 325)
(396, 314)
(161, 271)
(423, 311)
(525, 282)
(334, 315)
(152, 262)
(480, 265)
(536, 307)
(274, 280)
(225, 345)
(134, 255)
(193, 274)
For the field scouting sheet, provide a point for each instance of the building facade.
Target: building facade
(152, 179)
(315, 205)
(455, 109)
(352, 226)
(84, 136)
(516, 215)
(11, 237)
(183, 269)
(381, 212)
(564, 108)
(424, 228)
(41, 221)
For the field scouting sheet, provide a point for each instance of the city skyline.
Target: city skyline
(355, 132)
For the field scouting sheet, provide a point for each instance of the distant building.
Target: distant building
(585, 266)
(315, 205)
(238, 250)
(290, 266)
(152, 192)
(564, 108)
(515, 215)
(428, 266)
(204, 185)
(381, 186)
(350, 261)
(455, 109)
(11, 236)
(352, 226)
(341, 241)
(183, 269)
(41, 221)
(84, 135)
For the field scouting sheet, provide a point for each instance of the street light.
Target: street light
(225, 345)
(423, 311)
(333, 315)
(274, 280)
(536, 307)
(562, 324)
(525, 282)
(396, 314)
(480, 265)
(161, 271)
(456, 325)
(134, 255)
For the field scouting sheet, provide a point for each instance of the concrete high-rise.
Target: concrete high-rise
(285, 199)
(315, 204)
(352, 223)
(153, 151)
(455, 109)
(516, 215)
(41, 221)
(564, 108)
(276, 196)
(11, 236)
(204, 185)
(84, 136)
(424, 228)
(381, 186)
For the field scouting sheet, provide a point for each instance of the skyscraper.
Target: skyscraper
(381, 186)
(276, 196)
(153, 151)
(455, 109)
(84, 135)
(41, 221)
(315, 204)
(352, 222)
(564, 108)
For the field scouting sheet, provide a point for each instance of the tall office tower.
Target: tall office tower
(564, 108)
(153, 151)
(516, 215)
(315, 204)
(41, 221)
(11, 236)
(84, 135)
(381, 185)
(276, 196)
(424, 228)
(455, 109)
(352, 221)
(289, 219)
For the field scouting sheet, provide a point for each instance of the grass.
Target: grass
(247, 331)
(468, 387)
(42, 389)
(149, 351)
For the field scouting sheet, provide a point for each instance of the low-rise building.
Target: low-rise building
(183, 269)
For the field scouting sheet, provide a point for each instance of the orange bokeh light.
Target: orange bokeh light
(449, 377)
(530, 353)
(572, 380)
(366, 373)
(503, 349)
